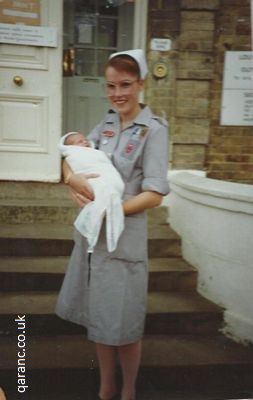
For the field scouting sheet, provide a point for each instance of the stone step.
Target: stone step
(46, 273)
(167, 313)
(65, 231)
(26, 211)
(158, 215)
(33, 190)
(43, 192)
(28, 240)
(184, 362)
(62, 213)
(203, 383)
(174, 351)
(171, 274)
(53, 205)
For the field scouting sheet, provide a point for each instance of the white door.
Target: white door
(30, 113)
(93, 29)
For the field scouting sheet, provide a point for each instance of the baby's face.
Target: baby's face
(77, 140)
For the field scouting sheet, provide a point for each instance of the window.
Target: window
(91, 29)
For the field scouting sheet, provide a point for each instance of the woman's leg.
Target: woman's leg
(129, 356)
(107, 357)
(2, 395)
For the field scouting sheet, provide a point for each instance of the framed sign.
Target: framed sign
(28, 35)
(237, 92)
(26, 12)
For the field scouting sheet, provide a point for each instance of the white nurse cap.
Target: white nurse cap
(139, 57)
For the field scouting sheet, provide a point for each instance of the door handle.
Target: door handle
(18, 80)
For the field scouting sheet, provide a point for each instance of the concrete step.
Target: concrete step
(184, 362)
(46, 273)
(167, 313)
(28, 240)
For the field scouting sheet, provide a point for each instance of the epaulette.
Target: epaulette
(160, 120)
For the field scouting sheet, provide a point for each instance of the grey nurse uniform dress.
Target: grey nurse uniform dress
(109, 298)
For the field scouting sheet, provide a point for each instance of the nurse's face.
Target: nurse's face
(123, 91)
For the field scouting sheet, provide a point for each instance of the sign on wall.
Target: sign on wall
(25, 12)
(160, 44)
(237, 93)
(28, 35)
(20, 24)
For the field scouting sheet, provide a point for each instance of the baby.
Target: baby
(77, 139)
(108, 188)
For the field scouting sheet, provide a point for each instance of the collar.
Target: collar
(143, 118)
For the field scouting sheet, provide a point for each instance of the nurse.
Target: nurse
(107, 292)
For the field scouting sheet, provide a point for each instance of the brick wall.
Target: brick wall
(189, 96)
(163, 22)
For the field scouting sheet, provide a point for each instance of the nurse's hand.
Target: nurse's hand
(80, 200)
(80, 189)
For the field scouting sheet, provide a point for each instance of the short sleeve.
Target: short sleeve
(155, 161)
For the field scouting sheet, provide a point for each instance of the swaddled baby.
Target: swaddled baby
(108, 188)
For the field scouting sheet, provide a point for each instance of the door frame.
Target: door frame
(31, 112)
(140, 29)
(140, 24)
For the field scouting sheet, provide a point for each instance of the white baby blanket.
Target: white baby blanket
(108, 189)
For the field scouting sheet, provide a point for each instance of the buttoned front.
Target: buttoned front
(112, 306)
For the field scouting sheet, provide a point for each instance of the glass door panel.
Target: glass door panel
(93, 29)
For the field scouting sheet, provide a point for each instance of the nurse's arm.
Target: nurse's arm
(80, 189)
(142, 202)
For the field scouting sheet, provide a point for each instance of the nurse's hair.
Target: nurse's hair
(124, 63)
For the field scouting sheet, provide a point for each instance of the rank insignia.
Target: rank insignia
(129, 148)
(143, 133)
(140, 133)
